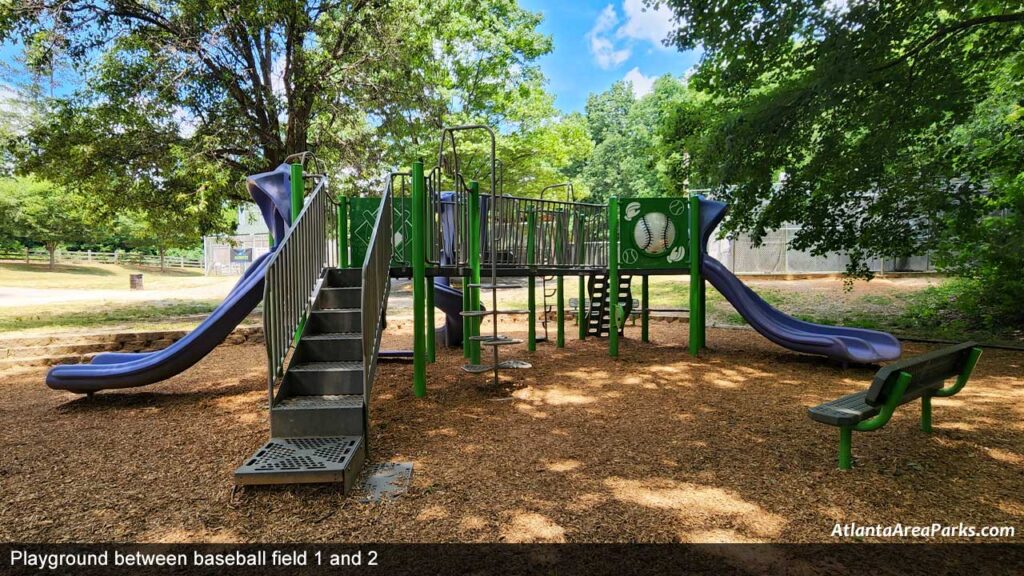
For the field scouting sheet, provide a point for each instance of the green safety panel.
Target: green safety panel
(654, 233)
(363, 216)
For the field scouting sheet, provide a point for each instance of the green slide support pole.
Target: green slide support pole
(474, 267)
(613, 277)
(696, 281)
(580, 251)
(298, 196)
(343, 232)
(531, 288)
(419, 263)
(645, 304)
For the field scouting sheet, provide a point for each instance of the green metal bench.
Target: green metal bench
(894, 385)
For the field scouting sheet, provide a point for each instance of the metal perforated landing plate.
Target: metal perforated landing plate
(304, 460)
(385, 480)
(325, 401)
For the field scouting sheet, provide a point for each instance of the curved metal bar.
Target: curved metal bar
(570, 195)
(891, 402)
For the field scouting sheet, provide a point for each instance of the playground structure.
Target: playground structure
(325, 286)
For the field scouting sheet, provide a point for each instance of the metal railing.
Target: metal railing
(376, 287)
(293, 274)
(567, 235)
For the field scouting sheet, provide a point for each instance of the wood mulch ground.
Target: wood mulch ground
(654, 446)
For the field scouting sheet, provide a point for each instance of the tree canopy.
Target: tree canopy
(861, 121)
(201, 93)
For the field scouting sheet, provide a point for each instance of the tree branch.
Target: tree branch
(945, 32)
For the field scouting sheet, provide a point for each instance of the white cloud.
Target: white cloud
(602, 46)
(642, 85)
(612, 39)
(644, 23)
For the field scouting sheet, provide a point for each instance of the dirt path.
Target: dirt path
(655, 446)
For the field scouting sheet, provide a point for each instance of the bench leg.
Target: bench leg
(845, 447)
(926, 413)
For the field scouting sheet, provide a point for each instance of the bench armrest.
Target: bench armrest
(965, 375)
(891, 402)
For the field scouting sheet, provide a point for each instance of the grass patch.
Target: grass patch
(70, 317)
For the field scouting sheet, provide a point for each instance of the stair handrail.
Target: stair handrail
(292, 277)
(376, 286)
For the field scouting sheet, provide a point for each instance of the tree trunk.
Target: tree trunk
(162, 251)
(52, 249)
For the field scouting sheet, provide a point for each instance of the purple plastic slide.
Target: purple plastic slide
(853, 345)
(271, 192)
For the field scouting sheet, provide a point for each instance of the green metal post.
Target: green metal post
(559, 298)
(926, 413)
(581, 252)
(845, 447)
(298, 196)
(343, 232)
(645, 302)
(467, 322)
(531, 295)
(419, 263)
(298, 190)
(696, 281)
(560, 311)
(474, 267)
(613, 277)
(431, 335)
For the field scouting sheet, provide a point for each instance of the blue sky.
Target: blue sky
(597, 43)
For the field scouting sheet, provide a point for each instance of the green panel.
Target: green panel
(654, 233)
(363, 215)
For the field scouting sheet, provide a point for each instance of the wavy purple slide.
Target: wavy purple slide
(271, 192)
(852, 345)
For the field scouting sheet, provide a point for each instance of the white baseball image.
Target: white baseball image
(654, 233)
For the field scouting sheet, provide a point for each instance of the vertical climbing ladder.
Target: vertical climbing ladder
(598, 318)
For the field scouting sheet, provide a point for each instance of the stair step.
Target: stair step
(305, 460)
(316, 378)
(323, 415)
(329, 347)
(335, 320)
(327, 367)
(334, 336)
(339, 298)
(325, 401)
(344, 278)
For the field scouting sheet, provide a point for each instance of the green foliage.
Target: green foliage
(631, 156)
(44, 213)
(846, 118)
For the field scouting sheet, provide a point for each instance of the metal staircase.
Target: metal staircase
(318, 417)
(320, 382)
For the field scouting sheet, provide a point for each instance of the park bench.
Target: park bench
(894, 385)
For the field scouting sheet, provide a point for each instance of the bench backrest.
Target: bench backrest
(927, 372)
